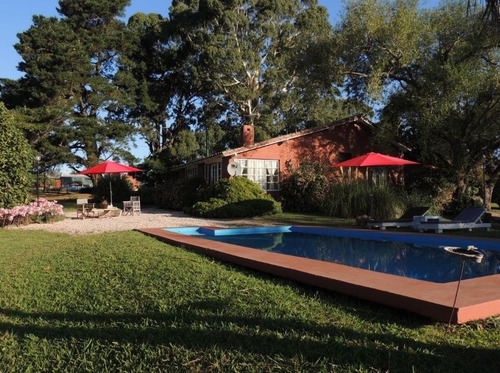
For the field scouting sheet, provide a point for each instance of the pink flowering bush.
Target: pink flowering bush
(42, 212)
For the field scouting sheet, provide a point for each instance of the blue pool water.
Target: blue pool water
(414, 256)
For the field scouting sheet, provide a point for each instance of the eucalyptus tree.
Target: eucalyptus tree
(246, 58)
(70, 85)
(211, 66)
(254, 50)
(436, 75)
(491, 9)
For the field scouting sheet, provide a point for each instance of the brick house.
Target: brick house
(267, 162)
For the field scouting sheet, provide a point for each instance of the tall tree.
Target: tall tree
(214, 65)
(491, 9)
(167, 93)
(70, 82)
(144, 66)
(249, 54)
(437, 72)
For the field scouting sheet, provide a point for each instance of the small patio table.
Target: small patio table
(109, 212)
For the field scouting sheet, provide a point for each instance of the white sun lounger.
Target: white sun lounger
(469, 218)
(405, 220)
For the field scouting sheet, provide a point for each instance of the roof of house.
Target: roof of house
(359, 119)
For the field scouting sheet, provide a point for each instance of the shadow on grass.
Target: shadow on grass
(205, 325)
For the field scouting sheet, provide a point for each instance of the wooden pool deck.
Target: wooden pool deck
(478, 298)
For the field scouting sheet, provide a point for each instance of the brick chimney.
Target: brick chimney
(247, 135)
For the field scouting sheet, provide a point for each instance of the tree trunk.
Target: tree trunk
(488, 192)
(461, 188)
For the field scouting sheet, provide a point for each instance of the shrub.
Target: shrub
(217, 208)
(208, 208)
(121, 187)
(305, 189)
(232, 190)
(147, 194)
(443, 197)
(417, 198)
(42, 212)
(178, 194)
(236, 197)
(16, 160)
(496, 194)
(262, 206)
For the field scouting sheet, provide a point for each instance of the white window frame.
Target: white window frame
(213, 172)
(265, 172)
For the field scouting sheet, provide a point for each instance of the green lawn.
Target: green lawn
(126, 302)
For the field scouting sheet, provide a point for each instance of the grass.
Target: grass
(67, 199)
(126, 302)
(308, 219)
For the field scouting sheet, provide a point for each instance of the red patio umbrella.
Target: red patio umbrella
(110, 167)
(374, 160)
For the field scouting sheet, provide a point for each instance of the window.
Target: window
(265, 172)
(213, 172)
(192, 172)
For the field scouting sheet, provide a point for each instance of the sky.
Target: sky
(16, 17)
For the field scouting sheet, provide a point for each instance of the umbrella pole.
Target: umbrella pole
(110, 193)
(370, 180)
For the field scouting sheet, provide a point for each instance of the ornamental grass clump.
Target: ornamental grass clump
(42, 211)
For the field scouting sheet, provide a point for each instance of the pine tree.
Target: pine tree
(70, 86)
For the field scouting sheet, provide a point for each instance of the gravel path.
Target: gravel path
(149, 218)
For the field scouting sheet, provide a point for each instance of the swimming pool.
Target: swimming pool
(479, 297)
(412, 256)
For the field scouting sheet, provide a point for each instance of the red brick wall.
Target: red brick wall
(321, 146)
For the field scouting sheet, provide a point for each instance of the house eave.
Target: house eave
(280, 139)
(358, 119)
